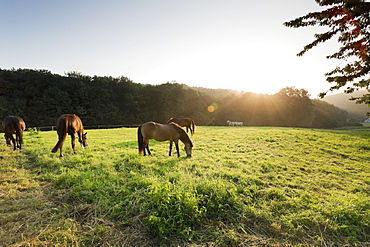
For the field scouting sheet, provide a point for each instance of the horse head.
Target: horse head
(7, 139)
(84, 140)
(185, 138)
(188, 149)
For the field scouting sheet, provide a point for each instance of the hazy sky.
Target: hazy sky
(232, 44)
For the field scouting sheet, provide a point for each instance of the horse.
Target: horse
(163, 132)
(184, 122)
(69, 124)
(234, 123)
(14, 125)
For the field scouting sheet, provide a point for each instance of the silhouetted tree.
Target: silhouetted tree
(349, 20)
(296, 105)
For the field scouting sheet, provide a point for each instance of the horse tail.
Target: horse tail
(55, 149)
(19, 132)
(62, 133)
(140, 140)
(193, 125)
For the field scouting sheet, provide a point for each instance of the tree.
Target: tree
(349, 20)
(40, 97)
(296, 106)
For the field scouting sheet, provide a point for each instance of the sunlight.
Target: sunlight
(262, 68)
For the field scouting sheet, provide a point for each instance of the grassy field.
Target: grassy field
(244, 186)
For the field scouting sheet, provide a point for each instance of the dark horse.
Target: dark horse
(163, 132)
(184, 122)
(69, 124)
(14, 125)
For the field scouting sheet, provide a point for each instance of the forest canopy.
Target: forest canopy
(40, 97)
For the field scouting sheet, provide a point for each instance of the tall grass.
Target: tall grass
(242, 185)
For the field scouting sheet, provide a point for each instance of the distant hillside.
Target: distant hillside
(219, 93)
(355, 111)
(133, 103)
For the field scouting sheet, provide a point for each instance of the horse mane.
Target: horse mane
(184, 136)
(171, 120)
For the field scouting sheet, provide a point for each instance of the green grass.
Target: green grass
(243, 186)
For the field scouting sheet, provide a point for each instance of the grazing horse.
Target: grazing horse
(234, 123)
(14, 125)
(163, 132)
(184, 122)
(69, 124)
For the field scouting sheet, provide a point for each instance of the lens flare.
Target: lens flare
(213, 107)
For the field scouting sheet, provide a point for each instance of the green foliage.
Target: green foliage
(349, 21)
(174, 210)
(349, 215)
(33, 131)
(40, 97)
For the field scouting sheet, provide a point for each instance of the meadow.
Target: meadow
(244, 186)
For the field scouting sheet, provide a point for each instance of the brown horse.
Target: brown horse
(69, 124)
(14, 125)
(184, 122)
(163, 132)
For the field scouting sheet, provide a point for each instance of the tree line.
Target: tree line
(40, 97)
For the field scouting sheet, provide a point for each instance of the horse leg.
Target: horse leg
(177, 148)
(17, 141)
(10, 140)
(20, 139)
(59, 145)
(61, 142)
(13, 141)
(146, 147)
(73, 142)
(169, 154)
(79, 134)
(7, 139)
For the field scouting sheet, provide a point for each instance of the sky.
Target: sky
(230, 44)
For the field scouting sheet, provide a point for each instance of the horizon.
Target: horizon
(239, 45)
(175, 82)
